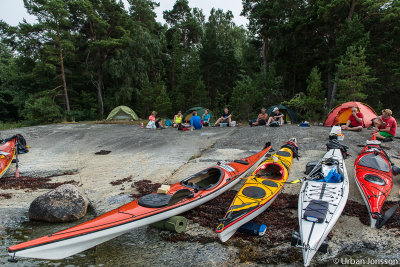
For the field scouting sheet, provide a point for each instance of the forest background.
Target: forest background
(82, 58)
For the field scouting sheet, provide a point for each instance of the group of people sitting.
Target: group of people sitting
(196, 122)
(384, 126)
(276, 118)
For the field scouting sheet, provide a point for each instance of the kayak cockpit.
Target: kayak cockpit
(204, 180)
(271, 171)
(162, 200)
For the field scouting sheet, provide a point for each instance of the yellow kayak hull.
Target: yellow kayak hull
(258, 191)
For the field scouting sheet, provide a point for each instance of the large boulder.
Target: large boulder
(63, 204)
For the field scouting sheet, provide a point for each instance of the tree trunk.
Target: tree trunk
(67, 107)
(329, 96)
(265, 51)
(173, 72)
(99, 85)
(333, 94)
(352, 7)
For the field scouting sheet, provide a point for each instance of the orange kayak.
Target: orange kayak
(7, 153)
(182, 196)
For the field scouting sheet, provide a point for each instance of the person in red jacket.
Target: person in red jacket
(355, 121)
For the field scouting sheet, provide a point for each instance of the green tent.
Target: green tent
(290, 114)
(122, 113)
(200, 112)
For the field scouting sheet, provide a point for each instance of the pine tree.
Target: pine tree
(53, 17)
(353, 73)
(315, 98)
(163, 102)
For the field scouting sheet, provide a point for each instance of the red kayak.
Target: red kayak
(182, 196)
(7, 153)
(373, 175)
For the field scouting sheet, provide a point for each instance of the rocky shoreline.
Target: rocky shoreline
(139, 160)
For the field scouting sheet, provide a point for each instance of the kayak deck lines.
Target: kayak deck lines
(182, 196)
(258, 191)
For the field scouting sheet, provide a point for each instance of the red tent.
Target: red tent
(340, 114)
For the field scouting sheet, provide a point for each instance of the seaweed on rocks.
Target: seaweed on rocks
(32, 183)
(103, 152)
(121, 181)
(359, 210)
(5, 196)
(144, 187)
(356, 209)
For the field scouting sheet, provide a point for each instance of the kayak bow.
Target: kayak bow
(182, 196)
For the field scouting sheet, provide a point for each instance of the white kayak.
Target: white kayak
(321, 202)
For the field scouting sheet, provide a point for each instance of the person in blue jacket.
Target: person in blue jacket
(195, 122)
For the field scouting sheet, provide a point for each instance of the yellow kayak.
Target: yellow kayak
(259, 190)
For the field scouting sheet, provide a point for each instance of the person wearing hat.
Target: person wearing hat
(386, 126)
(276, 117)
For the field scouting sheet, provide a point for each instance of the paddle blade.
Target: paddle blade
(293, 182)
(373, 137)
(388, 214)
(16, 173)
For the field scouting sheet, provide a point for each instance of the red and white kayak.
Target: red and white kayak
(183, 196)
(373, 175)
(7, 153)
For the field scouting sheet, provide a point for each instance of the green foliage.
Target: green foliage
(42, 109)
(12, 125)
(312, 104)
(298, 103)
(353, 73)
(315, 99)
(163, 103)
(115, 55)
(244, 97)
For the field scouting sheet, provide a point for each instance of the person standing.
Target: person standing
(195, 121)
(225, 118)
(355, 121)
(261, 119)
(386, 126)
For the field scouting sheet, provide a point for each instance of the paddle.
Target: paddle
(295, 181)
(388, 214)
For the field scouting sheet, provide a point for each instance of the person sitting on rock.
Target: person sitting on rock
(158, 122)
(195, 121)
(386, 126)
(276, 117)
(206, 118)
(261, 119)
(225, 118)
(355, 121)
(178, 119)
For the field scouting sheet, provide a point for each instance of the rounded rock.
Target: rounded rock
(63, 204)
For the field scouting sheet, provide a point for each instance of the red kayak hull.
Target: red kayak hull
(373, 175)
(135, 214)
(7, 151)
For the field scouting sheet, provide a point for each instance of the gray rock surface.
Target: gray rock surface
(67, 152)
(63, 204)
